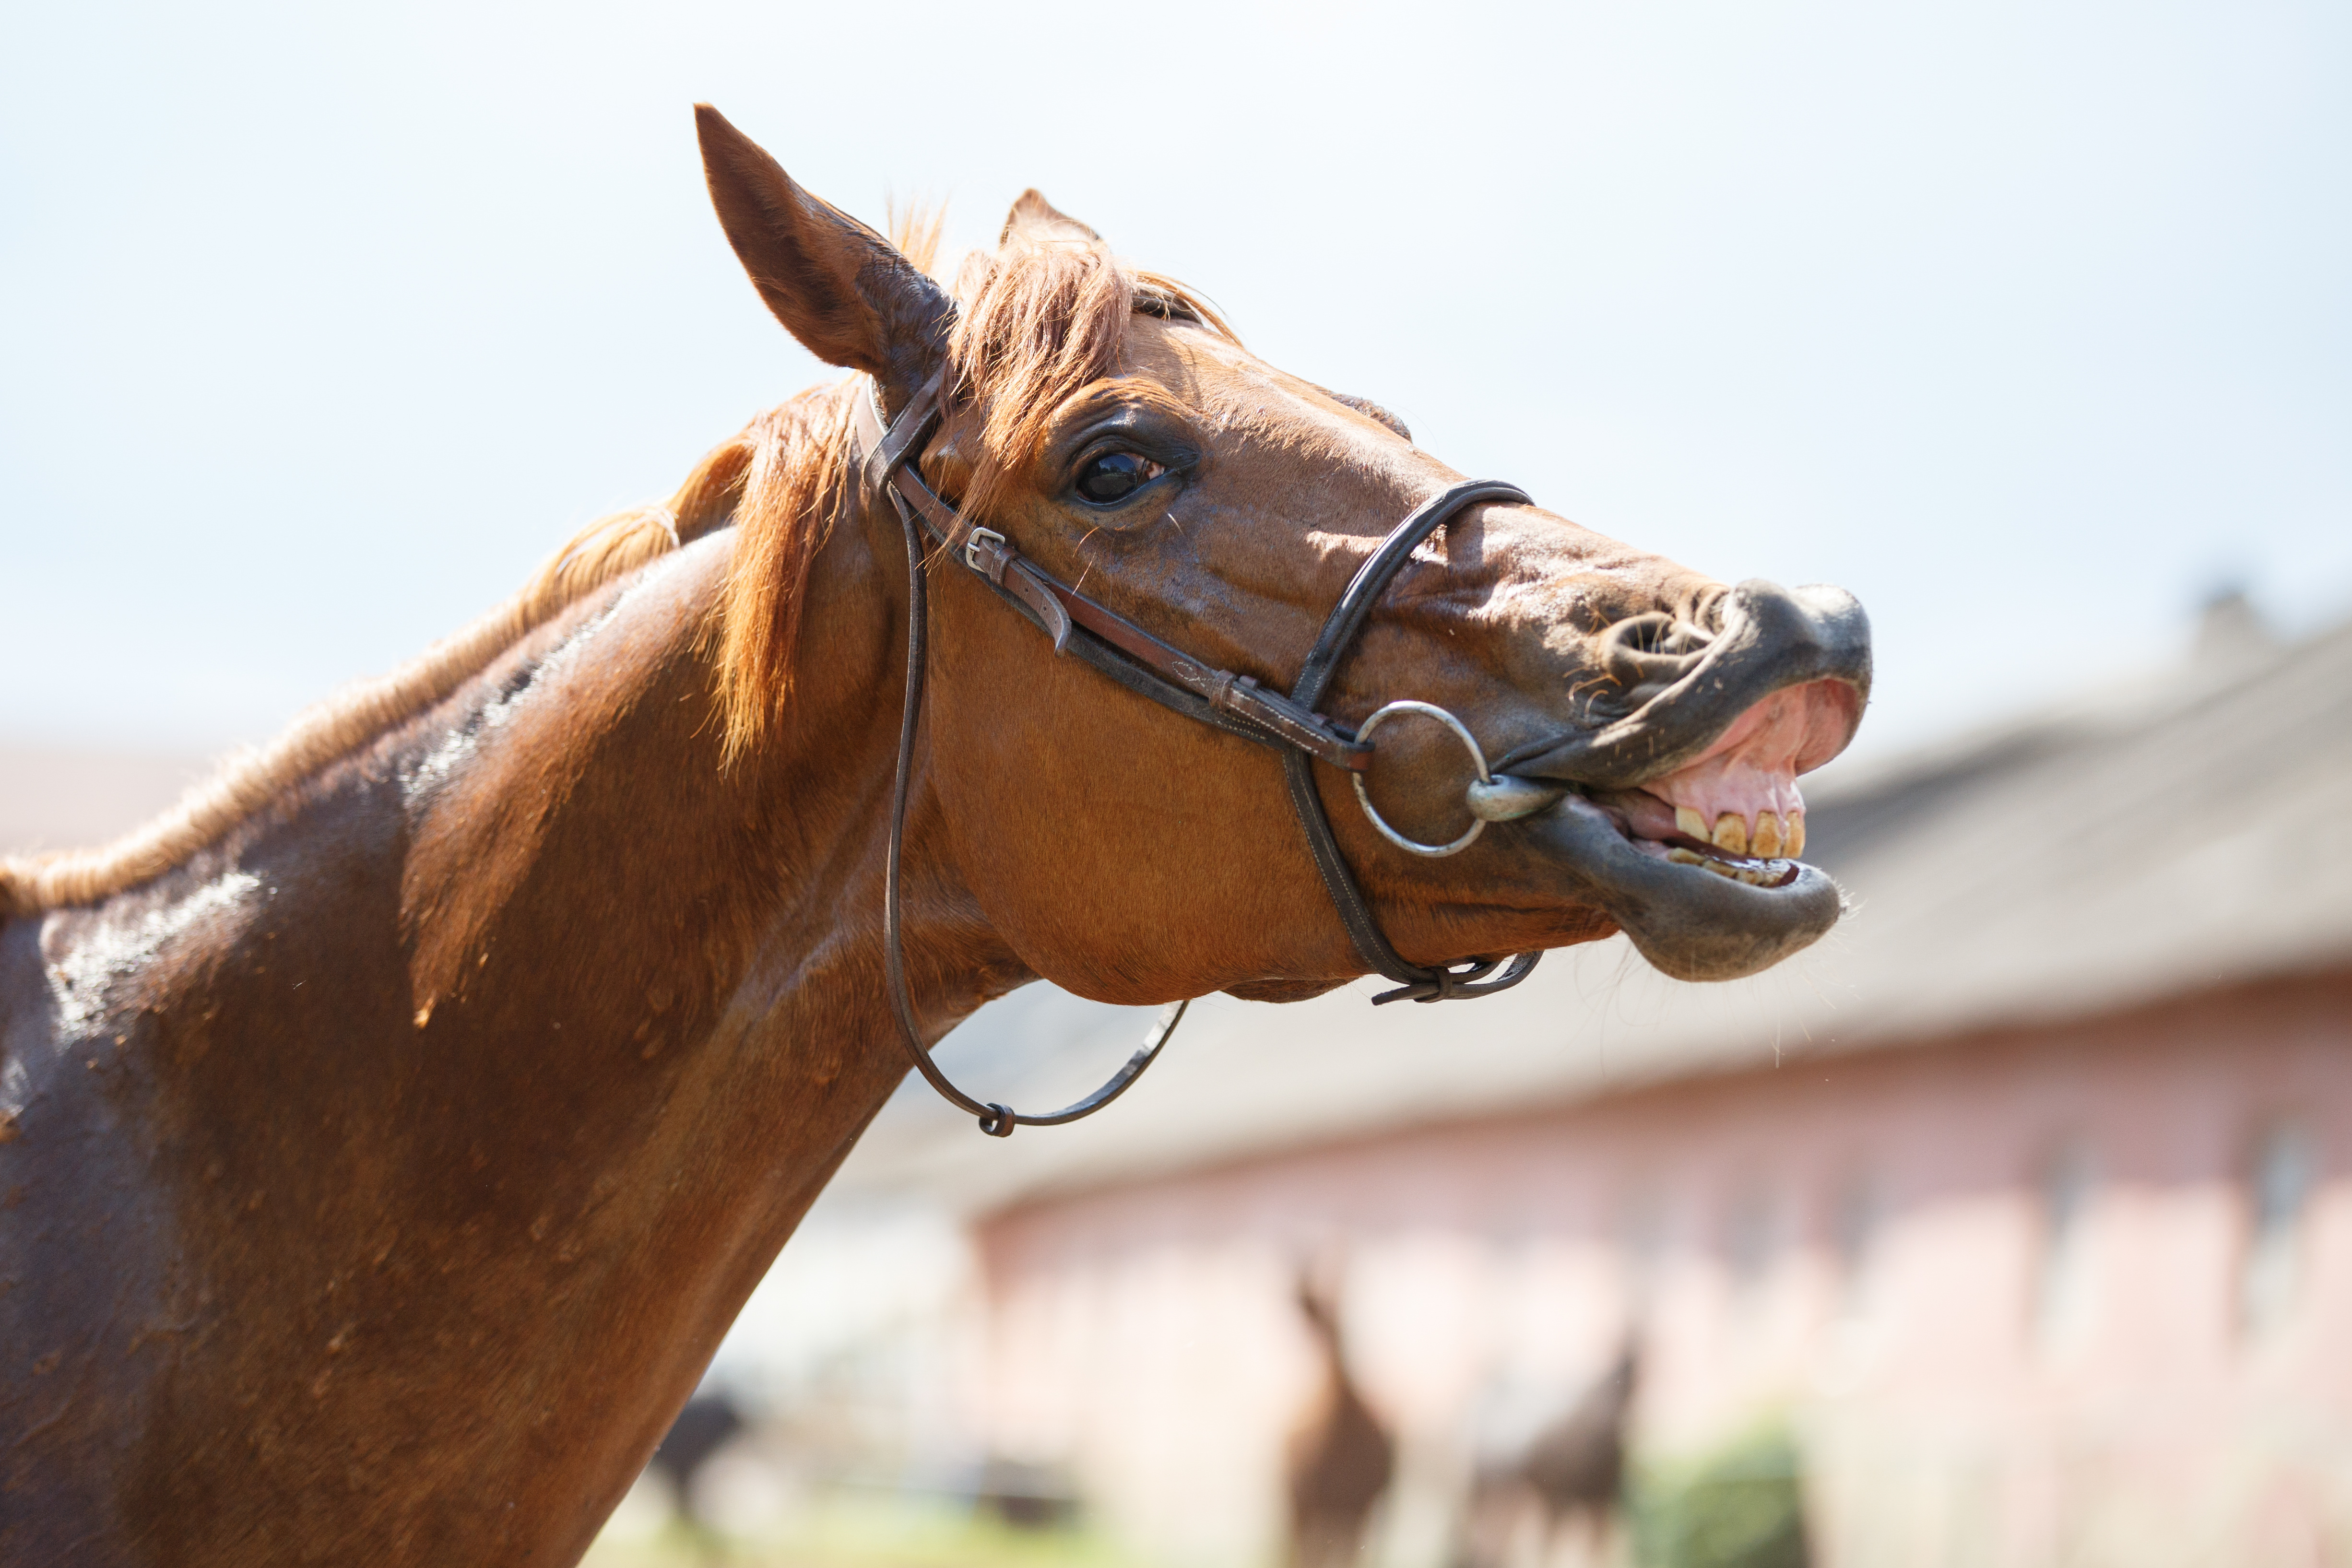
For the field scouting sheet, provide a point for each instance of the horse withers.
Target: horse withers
(388, 1135)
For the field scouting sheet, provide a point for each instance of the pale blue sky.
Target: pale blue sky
(2027, 322)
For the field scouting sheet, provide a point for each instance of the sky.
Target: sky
(320, 326)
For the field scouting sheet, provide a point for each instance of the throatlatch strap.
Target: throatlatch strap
(996, 1119)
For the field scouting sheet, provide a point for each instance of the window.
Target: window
(2278, 1192)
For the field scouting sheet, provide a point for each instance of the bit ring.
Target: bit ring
(1363, 799)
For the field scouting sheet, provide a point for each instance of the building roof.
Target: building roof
(2192, 831)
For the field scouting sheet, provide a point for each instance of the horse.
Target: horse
(1572, 1471)
(389, 1133)
(1340, 1456)
(707, 1424)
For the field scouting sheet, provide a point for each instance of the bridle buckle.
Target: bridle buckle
(977, 540)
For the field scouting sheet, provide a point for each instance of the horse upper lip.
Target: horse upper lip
(1773, 638)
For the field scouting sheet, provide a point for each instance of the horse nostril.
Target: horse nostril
(1650, 650)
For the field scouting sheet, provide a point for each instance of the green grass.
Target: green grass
(882, 1533)
(1741, 1506)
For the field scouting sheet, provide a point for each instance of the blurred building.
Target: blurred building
(2023, 1208)
(61, 797)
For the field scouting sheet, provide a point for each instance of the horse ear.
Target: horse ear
(1038, 219)
(838, 287)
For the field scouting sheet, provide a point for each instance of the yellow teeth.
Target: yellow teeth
(1774, 835)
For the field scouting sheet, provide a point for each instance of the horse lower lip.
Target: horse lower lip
(1688, 924)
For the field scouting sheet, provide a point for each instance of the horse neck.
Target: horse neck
(534, 1019)
(691, 949)
(609, 872)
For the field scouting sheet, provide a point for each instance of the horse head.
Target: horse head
(1632, 729)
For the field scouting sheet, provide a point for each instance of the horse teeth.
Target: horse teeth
(1795, 844)
(1690, 823)
(1767, 842)
(1750, 873)
(1731, 833)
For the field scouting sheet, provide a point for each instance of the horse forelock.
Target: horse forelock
(1039, 319)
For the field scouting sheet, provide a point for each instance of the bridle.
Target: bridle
(1119, 648)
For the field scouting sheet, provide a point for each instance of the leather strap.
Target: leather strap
(1145, 664)
(1340, 629)
(1414, 982)
(996, 1119)
(1380, 568)
(1264, 715)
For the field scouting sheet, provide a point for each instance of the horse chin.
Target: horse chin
(1278, 990)
(1694, 918)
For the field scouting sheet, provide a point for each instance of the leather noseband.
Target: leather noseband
(1144, 665)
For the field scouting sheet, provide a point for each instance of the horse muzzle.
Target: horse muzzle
(1651, 815)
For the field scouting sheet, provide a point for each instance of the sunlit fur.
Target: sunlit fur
(1040, 318)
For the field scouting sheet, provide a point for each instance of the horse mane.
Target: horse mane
(247, 781)
(1039, 319)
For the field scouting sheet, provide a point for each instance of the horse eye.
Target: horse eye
(1115, 476)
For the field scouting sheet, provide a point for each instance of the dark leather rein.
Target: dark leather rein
(1148, 667)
